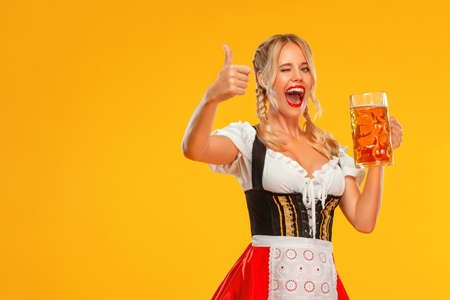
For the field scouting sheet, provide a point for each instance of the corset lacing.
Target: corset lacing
(313, 191)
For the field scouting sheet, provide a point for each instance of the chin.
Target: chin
(289, 112)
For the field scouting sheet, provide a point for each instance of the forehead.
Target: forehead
(291, 53)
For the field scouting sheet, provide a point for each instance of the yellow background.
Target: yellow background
(98, 201)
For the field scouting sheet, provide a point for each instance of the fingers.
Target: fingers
(394, 121)
(240, 91)
(396, 128)
(238, 75)
(232, 79)
(241, 80)
(241, 76)
(241, 84)
(228, 55)
(242, 69)
(396, 142)
(396, 132)
(229, 61)
(395, 124)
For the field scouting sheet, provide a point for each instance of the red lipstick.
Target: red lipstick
(302, 96)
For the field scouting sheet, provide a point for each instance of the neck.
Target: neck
(289, 125)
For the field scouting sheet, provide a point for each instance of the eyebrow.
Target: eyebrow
(289, 64)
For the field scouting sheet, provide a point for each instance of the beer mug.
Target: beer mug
(371, 130)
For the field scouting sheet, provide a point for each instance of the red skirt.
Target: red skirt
(248, 279)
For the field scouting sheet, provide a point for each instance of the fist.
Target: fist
(232, 80)
(396, 132)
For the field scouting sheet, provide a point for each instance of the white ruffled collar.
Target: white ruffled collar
(316, 174)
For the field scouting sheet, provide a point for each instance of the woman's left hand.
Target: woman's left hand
(396, 132)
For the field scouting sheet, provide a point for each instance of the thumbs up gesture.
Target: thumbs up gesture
(232, 80)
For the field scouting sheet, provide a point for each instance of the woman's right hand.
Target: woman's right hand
(232, 80)
(198, 144)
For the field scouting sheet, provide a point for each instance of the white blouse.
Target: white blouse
(282, 174)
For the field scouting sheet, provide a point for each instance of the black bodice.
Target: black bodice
(284, 214)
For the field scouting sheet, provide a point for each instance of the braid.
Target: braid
(317, 105)
(309, 127)
(261, 101)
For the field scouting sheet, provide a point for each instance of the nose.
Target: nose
(297, 75)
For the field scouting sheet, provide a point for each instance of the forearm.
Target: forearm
(369, 204)
(196, 136)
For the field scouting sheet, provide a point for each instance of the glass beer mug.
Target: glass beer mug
(370, 129)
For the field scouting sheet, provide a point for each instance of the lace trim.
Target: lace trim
(248, 134)
(302, 271)
(348, 166)
(270, 285)
(331, 164)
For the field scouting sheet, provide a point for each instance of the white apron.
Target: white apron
(299, 268)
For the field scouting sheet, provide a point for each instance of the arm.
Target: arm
(197, 144)
(361, 209)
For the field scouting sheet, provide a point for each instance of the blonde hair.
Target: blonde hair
(266, 60)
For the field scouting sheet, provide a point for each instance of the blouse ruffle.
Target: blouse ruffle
(320, 173)
(348, 166)
(242, 134)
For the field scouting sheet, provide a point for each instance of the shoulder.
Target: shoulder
(349, 167)
(242, 134)
(238, 128)
(343, 156)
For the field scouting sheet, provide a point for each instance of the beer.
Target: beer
(371, 135)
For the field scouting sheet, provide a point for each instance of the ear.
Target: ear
(260, 80)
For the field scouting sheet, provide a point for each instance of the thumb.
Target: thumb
(228, 55)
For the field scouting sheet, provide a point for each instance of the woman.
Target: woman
(293, 176)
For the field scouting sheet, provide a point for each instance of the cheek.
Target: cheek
(278, 96)
(310, 86)
(281, 84)
(310, 80)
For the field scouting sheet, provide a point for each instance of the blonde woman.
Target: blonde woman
(293, 176)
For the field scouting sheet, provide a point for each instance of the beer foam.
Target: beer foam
(368, 105)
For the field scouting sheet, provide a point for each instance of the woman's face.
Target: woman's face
(292, 87)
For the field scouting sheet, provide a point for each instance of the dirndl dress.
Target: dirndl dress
(291, 217)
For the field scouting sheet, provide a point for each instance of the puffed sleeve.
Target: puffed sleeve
(240, 133)
(348, 166)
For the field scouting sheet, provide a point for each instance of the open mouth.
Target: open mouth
(295, 95)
